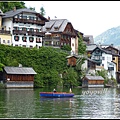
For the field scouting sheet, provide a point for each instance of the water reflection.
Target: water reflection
(19, 103)
(87, 103)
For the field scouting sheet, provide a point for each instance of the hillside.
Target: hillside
(110, 36)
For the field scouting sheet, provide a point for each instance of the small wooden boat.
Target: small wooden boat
(56, 94)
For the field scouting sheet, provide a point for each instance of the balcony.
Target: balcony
(36, 33)
(51, 38)
(98, 61)
(51, 45)
(22, 32)
(110, 68)
(38, 22)
(4, 32)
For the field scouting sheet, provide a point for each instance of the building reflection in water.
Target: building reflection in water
(20, 103)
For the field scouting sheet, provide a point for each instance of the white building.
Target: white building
(104, 60)
(25, 26)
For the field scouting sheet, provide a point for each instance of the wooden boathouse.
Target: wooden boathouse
(17, 77)
(93, 81)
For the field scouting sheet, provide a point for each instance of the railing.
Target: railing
(29, 21)
(110, 68)
(36, 33)
(51, 39)
(19, 32)
(29, 32)
(4, 32)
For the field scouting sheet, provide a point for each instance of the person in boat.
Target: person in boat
(54, 90)
(70, 90)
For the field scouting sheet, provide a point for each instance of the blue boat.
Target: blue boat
(56, 94)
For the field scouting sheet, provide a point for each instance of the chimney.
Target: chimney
(14, 9)
(48, 18)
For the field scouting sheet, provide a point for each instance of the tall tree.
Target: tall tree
(82, 57)
(42, 11)
(81, 45)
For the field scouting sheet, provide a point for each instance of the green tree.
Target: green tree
(66, 47)
(81, 45)
(81, 59)
(32, 8)
(7, 6)
(1, 66)
(70, 77)
(104, 74)
(42, 11)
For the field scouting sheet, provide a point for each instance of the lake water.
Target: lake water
(87, 103)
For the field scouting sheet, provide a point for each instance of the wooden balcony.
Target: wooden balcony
(38, 22)
(4, 32)
(22, 32)
(51, 39)
(36, 33)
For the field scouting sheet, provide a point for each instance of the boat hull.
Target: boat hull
(56, 94)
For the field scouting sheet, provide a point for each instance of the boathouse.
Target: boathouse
(17, 77)
(71, 60)
(93, 81)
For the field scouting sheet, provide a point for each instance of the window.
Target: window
(37, 30)
(97, 57)
(24, 46)
(8, 41)
(31, 29)
(31, 39)
(3, 41)
(16, 28)
(24, 39)
(31, 18)
(103, 58)
(61, 43)
(97, 51)
(113, 58)
(16, 38)
(38, 40)
(24, 17)
(31, 46)
(24, 29)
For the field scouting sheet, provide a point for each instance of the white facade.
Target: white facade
(73, 51)
(8, 22)
(107, 62)
(85, 67)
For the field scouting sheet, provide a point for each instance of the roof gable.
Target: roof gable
(102, 50)
(12, 13)
(60, 24)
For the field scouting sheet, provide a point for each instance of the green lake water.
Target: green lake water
(87, 103)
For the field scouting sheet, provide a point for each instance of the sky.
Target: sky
(88, 17)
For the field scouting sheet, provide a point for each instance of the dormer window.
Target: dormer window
(47, 28)
(56, 27)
